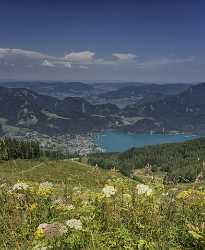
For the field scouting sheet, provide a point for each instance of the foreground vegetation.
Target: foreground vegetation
(70, 205)
(178, 162)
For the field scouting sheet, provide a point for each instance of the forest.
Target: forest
(11, 149)
(179, 162)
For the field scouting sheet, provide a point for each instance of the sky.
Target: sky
(110, 40)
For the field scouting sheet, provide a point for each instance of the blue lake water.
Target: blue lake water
(114, 141)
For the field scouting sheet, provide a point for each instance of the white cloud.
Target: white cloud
(20, 59)
(27, 58)
(80, 57)
(46, 63)
(163, 62)
(5, 52)
(124, 57)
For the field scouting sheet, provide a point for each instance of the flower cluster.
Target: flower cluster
(56, 229)
(74, 224)
(143, 189)
(120, 214)
(20, 186)
(108, 191)
(45, 188)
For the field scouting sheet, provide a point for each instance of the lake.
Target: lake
(114, 141)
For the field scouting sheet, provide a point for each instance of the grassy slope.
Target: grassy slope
(170, 218)
(70, 172)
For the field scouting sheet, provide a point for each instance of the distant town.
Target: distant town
(80, 144)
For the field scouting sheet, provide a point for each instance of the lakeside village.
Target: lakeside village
(80, 144)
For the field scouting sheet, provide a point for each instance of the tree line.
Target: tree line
(180, 162)
(12, 148)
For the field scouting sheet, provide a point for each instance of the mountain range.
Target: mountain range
(145, 90)
(24, 108)
(184, 112)
(56, 89)
(162, 108)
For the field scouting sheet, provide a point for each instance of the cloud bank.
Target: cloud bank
(80, 57)
(83, 64)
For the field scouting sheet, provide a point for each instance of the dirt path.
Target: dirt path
(31, 169)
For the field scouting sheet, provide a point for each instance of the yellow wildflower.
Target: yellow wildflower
(39, 234)
(33, 206)
(45, 189)
(184, 194)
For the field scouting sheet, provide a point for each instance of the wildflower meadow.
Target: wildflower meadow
(91, 208)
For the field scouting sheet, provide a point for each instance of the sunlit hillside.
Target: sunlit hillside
(70, 205)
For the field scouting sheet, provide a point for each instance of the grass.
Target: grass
(70, 205)
(68, 171)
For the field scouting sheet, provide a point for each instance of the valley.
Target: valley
(170, 109)
(89, 109)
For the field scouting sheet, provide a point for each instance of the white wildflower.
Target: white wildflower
(165, 194)
(74, 224)
(42, 226)
(108, 191)
(20, 186)
(46, 185)
(143, 189)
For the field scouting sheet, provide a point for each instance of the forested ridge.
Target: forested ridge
(177, 161)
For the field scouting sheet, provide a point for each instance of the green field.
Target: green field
(65, 171)
(70, 205)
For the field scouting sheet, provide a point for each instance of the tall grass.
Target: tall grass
(65, 205)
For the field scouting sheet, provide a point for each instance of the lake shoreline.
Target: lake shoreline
(117, 141)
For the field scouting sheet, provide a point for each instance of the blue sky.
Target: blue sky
(141, 40)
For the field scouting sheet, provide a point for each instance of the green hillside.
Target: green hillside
(66, 171)
(70, 205)
(178, 162)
